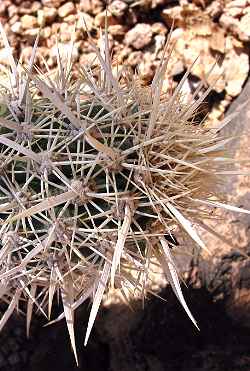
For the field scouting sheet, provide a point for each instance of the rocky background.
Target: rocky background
(160, 337)
(217, 31)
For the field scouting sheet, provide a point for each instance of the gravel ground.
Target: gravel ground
(217, 31)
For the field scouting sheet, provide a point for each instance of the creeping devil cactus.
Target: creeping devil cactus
(97, 175)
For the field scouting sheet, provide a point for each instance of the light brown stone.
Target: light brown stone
(84, 18)
(159, 28)
(66, 9)
(28, 21)
(118, 8)
(139, 36)
(70, 19)
(16, 27)
(236, 67)
(117, 30)
(52, 3)
(46, 16)
(12, 10)
(91, 6)
(244, 27)
(101, 17)
(173, 14)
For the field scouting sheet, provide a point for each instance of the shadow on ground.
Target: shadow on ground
(160, 337)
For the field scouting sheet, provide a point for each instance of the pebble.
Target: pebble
(3, 8)
(52, 3)
(118, 8)
(28, 7)
(159, 28)
(16, 27)
(12, 10)
(70, 19)
(28, 21)
(139, 36)
(173, 14)
(46, 16)
(117, 30)
(66, 9)
(244, 27)
(85, 18)
(13, 20)
(101, 18)
(91, 6)
(147, 67)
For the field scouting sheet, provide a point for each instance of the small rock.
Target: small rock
(215, 9)
(217, 39)
(66, 32)
(16, 27)
(91, 6)
(13, 20)
(160, 41)
(55, 27)
(52, 3)
(139, 36)
(46, 16)
(236, 4)
(66, 9)
(156, 3)
(228, 22)
(84, 18)
(118, 8)
(177, 34)
(147, 67)
(85, 6)
(247, 9)
(135, 58)
(173, 14)
(12, 10)
(28, 21)
(30, 35)
(46, 32)
(117, 30)
(28, 7)
(244, 27)
(159, 28)
(49, 14)
(36, 5)
(70, 19)
(236, 68)
(234, 12)
(189, 47)
(101, 17)
(3, 8)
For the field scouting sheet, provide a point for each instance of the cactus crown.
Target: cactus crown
(96, 176)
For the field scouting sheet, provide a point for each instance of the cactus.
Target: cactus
(97, 175)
